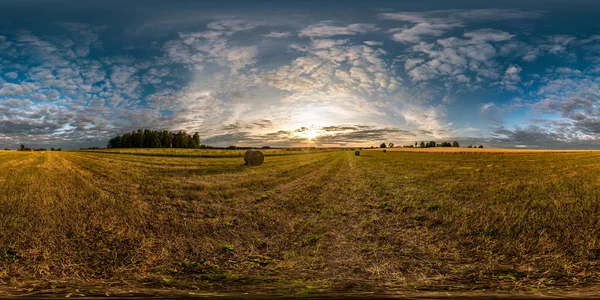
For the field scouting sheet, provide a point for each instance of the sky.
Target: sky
(521, 74)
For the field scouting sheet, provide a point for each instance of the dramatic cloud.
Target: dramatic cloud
(196, 50)
(329, 135)
(504, 77)
(465, 63)
(436, 23)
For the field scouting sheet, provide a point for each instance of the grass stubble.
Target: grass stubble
(304, 223)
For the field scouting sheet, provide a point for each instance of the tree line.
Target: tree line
(442, 144)
(434, 144)
(155, 139)
(427, 145)
(23, 148)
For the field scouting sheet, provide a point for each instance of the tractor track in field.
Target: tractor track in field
(195, 175)
(390, 224)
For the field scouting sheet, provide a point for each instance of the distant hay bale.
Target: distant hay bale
(254, 157)
(357, 153)
(384, 151)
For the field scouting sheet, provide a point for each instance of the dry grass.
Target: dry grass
(300, 224)
(478, 150)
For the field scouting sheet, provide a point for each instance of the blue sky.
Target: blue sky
(283, 73)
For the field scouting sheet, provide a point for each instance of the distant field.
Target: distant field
(211, 153)
(304, 223)
(478, 150)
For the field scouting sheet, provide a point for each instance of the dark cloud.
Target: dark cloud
(261, 124)
(339, 128)
(232, 138)
(545, 134)
(278, 134)
(230, 127)
(364, 135)
(340, 134)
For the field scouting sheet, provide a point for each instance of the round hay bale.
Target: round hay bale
(384, 151)
(254, 157)
(357, 153)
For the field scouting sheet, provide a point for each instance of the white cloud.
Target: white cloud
(219, 75)
(122, 74)
(327, 29)
(462, 63)
(198, 49)
(557, 44)
(11, 89)
(416, 33)
(521, 50)
(278, 34)
(412, 62)
(374, 43)
(11, 75)
(240, 57)
(511, 78)
(429, 121)
(488, 35)
(436, 23)
(232, 25)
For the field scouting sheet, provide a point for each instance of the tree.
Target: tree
(196, 140)
(383, 145)
(155, 139)
(126, 141)
(114, 142)
(422, 145)
(455, 144)
(391, 145)
(22, 148)
(52, 149)
(481, 146)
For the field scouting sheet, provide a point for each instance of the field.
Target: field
(304, 223)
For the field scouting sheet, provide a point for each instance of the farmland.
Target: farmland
(304, 223)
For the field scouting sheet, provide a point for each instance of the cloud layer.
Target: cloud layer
(354, 80)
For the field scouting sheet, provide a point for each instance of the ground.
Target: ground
(304, 223)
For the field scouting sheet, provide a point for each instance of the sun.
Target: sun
(311, 134)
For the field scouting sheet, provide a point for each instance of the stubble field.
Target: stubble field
(304, 223)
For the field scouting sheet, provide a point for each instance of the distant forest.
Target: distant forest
(155, 139)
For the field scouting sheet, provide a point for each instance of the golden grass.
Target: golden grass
(477, 150)
(301, 224)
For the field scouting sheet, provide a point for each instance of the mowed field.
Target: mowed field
(304, 223)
